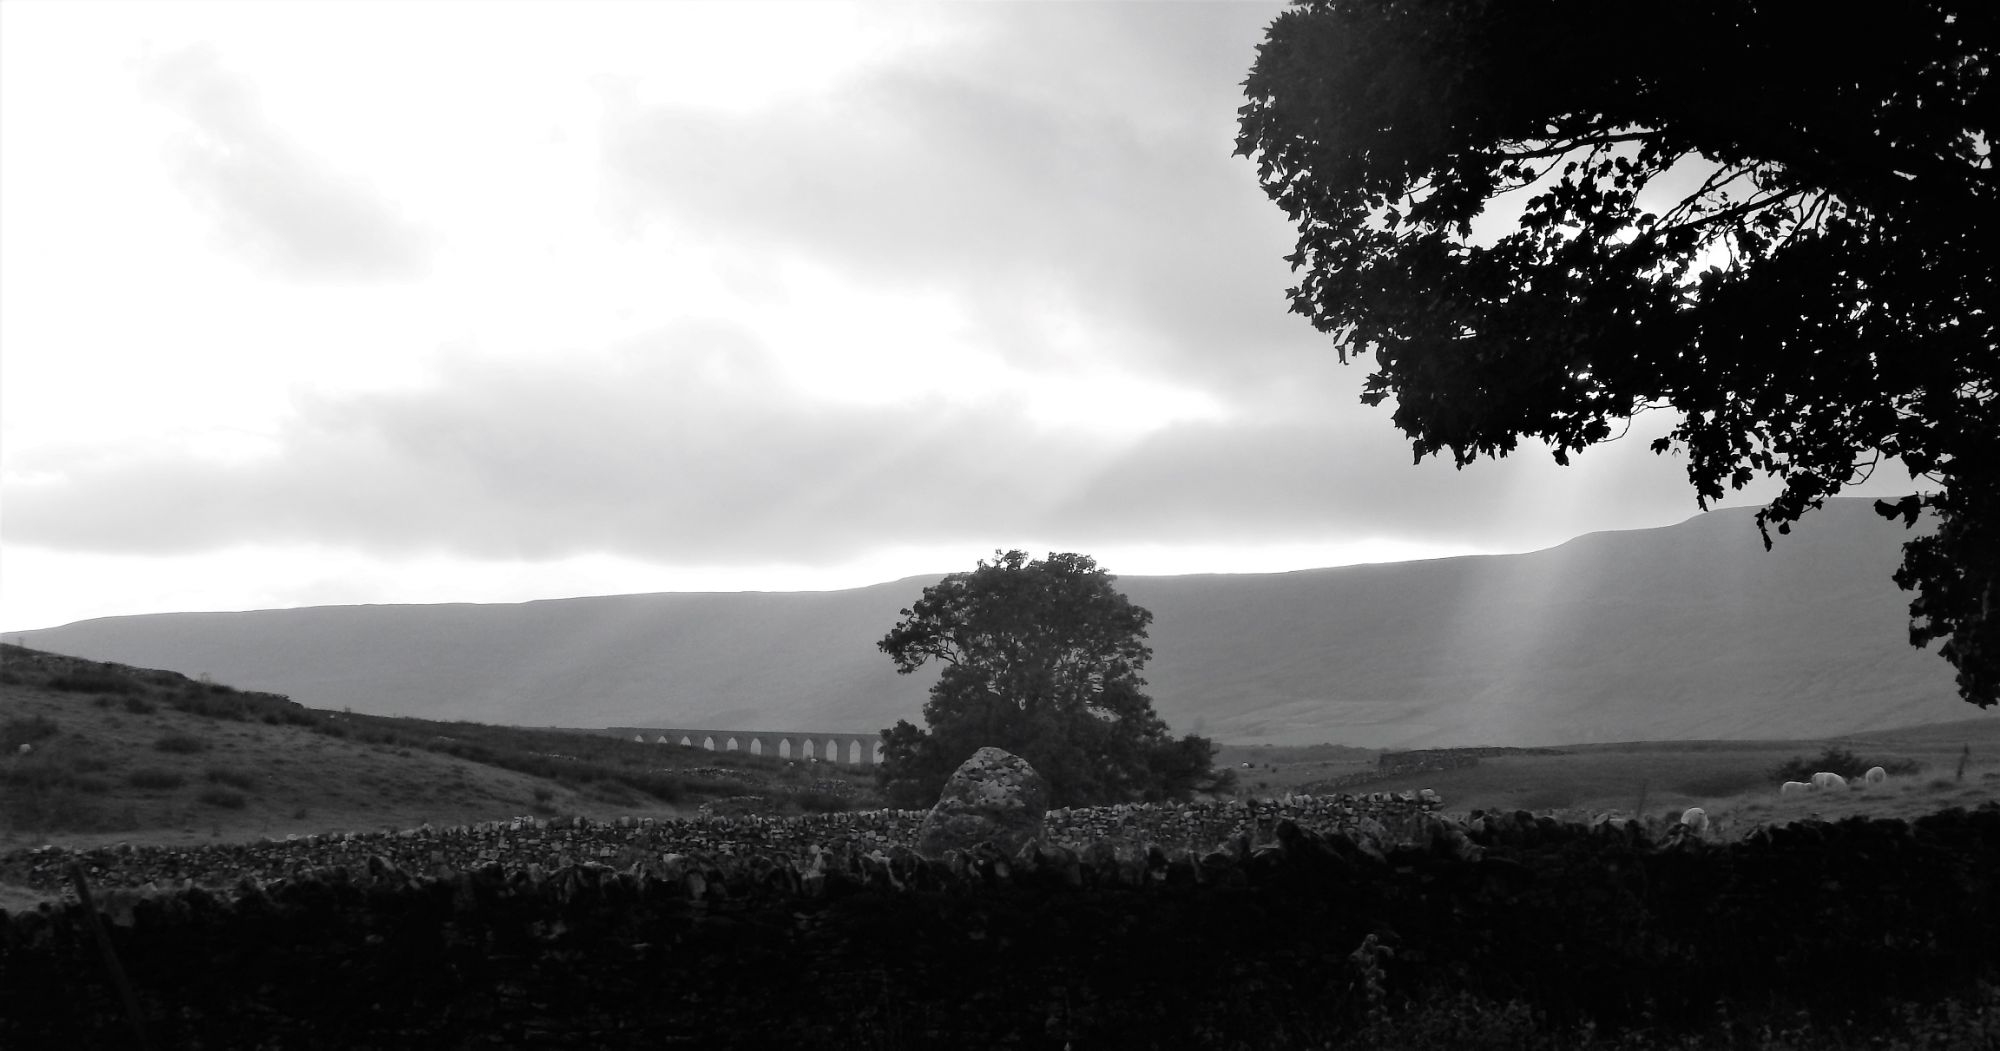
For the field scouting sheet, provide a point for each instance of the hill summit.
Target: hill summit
(1686, 631)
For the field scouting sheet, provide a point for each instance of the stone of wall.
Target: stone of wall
(555, 842)
(1116, 945)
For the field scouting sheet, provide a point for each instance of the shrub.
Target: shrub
(95, 786)
(93, 680)
(223, 797)
(232, 778)
(182, 744)
(153, 778)
(139, 706)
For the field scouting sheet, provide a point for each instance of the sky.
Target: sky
(307, 304)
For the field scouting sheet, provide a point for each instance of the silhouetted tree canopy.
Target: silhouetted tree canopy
(1777, 220)
(1042, 659)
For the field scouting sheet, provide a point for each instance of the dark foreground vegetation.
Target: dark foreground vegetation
(1500, 931)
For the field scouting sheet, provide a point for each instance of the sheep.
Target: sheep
(1794, 788)
(1875, 776)
(1825, 781)
(1696, 819)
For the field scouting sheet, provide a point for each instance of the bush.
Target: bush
(94, 680)
(139, 706)
(232, 778)
(223, 797)
(182, 744)
(154, 778)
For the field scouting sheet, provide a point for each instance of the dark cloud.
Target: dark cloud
(688, 447)
(1066, 158)
(269, 197)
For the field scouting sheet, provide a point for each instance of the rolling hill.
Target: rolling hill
(1686, 631)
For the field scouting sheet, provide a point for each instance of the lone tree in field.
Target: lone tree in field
(1778, 223)
(1042, 659)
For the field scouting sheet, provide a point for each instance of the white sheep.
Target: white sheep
(1825, 781)
(1876, 775)
(1794, 788)
(1696, 819)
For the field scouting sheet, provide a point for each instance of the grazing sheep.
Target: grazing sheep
(1696, 819)
(1794, 788)
(1876, 775)
(1825, 781)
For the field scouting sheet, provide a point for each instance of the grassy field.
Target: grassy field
(119, 753)
(1733, 780)
(116, 753)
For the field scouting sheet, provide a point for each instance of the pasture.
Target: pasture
(1732, 780)
(94, 753)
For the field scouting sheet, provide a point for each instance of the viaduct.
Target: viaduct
(864, 749)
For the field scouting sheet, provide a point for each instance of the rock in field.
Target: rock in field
(996, 796)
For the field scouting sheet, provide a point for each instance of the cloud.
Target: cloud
(1065, 160)
(270, 198)
(690, 447)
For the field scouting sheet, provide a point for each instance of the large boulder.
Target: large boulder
(994, 796)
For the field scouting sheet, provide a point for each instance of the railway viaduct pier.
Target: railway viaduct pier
(826, 746)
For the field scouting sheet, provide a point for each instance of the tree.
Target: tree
(1042, 659)
(1777, 224)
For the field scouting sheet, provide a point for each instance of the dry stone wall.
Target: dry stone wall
(1119, 944)
(556, 842)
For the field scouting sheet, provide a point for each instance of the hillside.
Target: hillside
(1690, 631)
(95, 752)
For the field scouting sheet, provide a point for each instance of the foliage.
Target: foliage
(1042, 659)
(1780, 228)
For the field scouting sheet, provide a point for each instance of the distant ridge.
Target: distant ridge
(1690, 631)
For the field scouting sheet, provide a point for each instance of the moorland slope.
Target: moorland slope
(1691, 631)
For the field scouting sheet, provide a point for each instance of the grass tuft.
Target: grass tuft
(224, 798)
(150, 777)
(220, 775)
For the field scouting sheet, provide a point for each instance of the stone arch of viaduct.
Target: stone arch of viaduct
(827, 746)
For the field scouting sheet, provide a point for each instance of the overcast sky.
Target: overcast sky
(384, 302)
